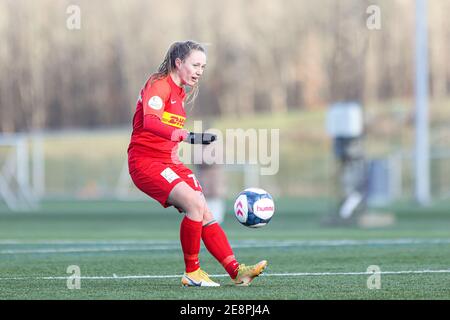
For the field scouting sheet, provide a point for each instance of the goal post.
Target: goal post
(21, 176)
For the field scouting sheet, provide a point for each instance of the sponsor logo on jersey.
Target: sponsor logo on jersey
(173, 120)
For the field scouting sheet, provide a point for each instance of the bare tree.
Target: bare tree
(263, 56)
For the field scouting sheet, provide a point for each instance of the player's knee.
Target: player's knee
(197, 208)
(207, 217)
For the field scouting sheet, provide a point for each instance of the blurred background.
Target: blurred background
(72, 72)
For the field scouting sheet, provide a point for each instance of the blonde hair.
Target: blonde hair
(178, 50)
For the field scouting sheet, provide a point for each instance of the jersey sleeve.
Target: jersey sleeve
(155, 126)
(155, 97)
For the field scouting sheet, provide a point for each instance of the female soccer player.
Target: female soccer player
(156, 170)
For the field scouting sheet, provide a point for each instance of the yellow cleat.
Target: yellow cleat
(197, 278)
(246, 274)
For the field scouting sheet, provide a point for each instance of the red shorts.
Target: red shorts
(157, 179)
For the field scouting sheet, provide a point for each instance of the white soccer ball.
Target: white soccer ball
(254, 207)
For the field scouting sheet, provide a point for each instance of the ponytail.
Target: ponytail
(178, 50)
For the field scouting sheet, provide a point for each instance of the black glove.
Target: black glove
(201, 138)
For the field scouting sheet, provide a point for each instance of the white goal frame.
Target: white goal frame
(21, 186)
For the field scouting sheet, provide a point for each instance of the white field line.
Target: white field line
(249, 241)
(297, 274)
(84, 242)
(149, 245)
(87, 250)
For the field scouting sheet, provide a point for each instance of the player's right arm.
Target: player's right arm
(154, 99)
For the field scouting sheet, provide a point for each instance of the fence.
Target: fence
(81, 165)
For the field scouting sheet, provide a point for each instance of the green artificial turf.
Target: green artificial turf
(131, 251)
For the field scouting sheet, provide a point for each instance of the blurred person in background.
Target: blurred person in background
(156, 170)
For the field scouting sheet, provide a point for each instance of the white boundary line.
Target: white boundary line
(150, 245)
(298, 274)
(83, 242)
(255, 241)
(88, 250)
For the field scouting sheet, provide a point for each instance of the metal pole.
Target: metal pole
(422, 157)
(38, 166)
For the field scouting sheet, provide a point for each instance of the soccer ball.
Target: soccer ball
(254, 207)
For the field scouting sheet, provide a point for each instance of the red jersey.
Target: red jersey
(164, 99)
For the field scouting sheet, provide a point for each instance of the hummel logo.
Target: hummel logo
(173, 101)
(239, 211)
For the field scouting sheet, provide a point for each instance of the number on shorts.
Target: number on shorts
(194, 178)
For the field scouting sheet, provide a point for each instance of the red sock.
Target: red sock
(217, 244)
(190, 235)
